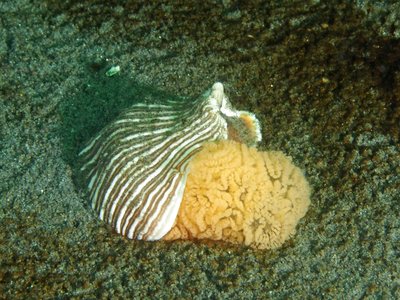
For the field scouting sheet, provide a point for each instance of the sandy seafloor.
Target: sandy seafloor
(323, 77)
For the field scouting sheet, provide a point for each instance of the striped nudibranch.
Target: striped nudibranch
(136, 167)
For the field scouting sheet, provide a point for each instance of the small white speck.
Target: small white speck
(113, 70)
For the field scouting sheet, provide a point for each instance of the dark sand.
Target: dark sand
(324, 79)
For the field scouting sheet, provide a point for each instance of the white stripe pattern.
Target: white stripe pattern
(136, 167)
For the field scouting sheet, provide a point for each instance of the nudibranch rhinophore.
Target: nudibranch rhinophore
(136, 167)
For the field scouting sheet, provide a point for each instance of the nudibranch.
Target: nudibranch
(136, 167)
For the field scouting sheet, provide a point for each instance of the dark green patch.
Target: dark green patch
(100, 100)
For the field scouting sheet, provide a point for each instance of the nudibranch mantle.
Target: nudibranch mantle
(136, 167)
